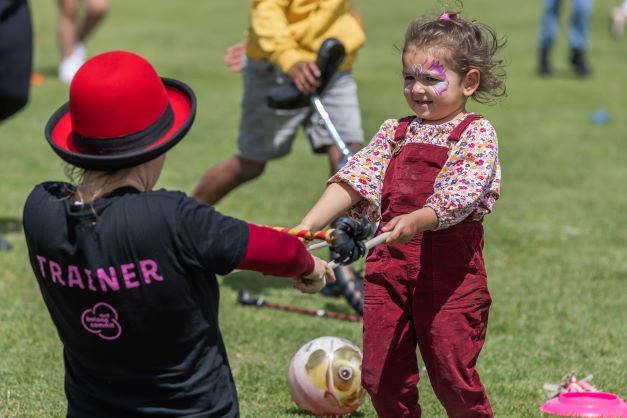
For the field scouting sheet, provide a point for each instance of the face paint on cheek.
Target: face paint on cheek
(440, 88)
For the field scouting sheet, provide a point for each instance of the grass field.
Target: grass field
(555, 244)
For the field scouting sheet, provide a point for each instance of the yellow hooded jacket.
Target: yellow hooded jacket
(287, 31)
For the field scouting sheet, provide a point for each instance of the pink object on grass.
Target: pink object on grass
(586, 404)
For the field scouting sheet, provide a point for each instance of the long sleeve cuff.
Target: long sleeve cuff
(276, 253)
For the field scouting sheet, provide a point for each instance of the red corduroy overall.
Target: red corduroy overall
(431, 292)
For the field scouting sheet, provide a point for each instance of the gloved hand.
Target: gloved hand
(347, 245)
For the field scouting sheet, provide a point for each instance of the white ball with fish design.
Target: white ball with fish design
(324, 377)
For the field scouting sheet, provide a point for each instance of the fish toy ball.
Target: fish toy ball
(324, 377)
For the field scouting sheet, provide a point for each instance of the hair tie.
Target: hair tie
(444, 16)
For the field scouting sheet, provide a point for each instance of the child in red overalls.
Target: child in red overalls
(429, 179)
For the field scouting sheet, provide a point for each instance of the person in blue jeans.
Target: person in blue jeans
(577, 34)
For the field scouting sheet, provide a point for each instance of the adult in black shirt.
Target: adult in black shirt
(128, 274)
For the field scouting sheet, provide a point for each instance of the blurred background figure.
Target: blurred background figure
(16, 50)
(73, 32)
(618, 17)
(281, 46)
(578, 37)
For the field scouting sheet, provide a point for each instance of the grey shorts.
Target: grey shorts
(266, 133)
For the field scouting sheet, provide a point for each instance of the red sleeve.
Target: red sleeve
(276, 253)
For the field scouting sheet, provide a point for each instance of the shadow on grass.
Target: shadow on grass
(47, 71)
(9, 225)
(254, 283)
(341, 306)
(300, 412)
(258, 285)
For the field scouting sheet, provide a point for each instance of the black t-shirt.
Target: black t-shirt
(130, 285)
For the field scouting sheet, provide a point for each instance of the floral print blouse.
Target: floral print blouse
(466, 187)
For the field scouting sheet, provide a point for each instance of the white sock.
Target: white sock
(80, 51)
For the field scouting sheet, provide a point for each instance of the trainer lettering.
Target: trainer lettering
(103, 279)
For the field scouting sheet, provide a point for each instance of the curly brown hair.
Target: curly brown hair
(462, 45)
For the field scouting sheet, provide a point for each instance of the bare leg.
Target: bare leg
(96, 11)
(225, 176)
(618, 18)
(66, 28)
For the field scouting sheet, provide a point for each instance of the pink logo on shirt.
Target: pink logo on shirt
(102, 320)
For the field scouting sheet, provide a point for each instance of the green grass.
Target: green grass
(555, 244)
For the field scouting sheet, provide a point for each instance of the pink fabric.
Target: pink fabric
(276, 253)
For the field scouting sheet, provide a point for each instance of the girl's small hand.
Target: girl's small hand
(402, 227)
(317, 279)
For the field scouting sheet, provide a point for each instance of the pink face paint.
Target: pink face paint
(435, 73)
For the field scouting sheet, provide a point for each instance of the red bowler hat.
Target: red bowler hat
(120, 114)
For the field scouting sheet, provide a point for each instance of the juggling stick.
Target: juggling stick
(345, 247)
(369, 244)
(317, 246)
(346, 240)
(246, 299)
(326, 236)
(352, 294)
(287, 96)
(375, 241)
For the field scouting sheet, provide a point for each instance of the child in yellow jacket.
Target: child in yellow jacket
(282, 43)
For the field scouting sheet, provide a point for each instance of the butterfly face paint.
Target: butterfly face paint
(434, 93)
(433, 74)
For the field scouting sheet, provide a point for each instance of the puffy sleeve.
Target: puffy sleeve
(269, 23)
(469, 182)
(365, 172)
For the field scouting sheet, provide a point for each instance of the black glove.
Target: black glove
(352, 227)
(347, 244)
